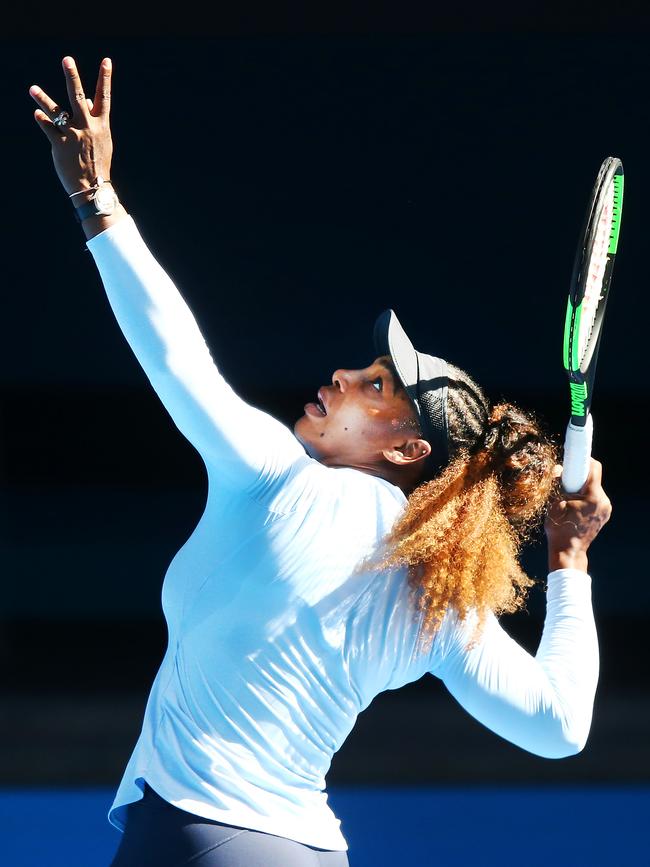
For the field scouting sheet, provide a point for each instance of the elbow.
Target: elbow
(566, 748)
(575, 732)
(564, 741)
(558, 749)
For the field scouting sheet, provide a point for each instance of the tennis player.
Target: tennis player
(374, 543)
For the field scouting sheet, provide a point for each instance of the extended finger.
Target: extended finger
(44, 102)
(102, 101)
(76, 94)
(45, 124)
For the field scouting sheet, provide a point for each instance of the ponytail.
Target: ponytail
(461, 533)
(523, 459)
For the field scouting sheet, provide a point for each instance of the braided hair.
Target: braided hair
(461, 532)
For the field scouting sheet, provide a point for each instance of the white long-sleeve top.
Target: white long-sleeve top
(276, 639)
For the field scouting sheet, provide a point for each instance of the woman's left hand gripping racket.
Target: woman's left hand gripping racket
(592, 275)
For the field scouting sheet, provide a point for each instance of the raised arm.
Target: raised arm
(244, 446)
(542, 703)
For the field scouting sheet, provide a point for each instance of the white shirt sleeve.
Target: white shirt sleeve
(542, 703)
(244, 446)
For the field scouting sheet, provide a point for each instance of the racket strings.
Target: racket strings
(596, 268)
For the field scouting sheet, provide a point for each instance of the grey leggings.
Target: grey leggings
(160, 835)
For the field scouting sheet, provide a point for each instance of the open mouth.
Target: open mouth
(317, 407)
(320, 404)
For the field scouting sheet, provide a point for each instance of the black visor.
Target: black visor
(425, 379)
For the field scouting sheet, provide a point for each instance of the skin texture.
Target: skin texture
(369, 421)
(572, 523)
(83, 150)
(370, 425)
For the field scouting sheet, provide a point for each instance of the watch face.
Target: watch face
(105, 199)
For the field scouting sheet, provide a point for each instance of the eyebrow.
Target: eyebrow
(388, 365)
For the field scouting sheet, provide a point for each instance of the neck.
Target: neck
(404, 478)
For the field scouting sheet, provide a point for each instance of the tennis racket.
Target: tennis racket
(589, 291)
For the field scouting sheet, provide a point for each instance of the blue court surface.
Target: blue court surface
(407, 827)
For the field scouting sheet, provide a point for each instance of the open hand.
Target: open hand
(82, 147)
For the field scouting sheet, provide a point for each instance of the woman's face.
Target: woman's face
(364, 419)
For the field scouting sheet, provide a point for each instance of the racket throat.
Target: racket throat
(580, 398)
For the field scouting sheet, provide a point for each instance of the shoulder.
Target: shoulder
(342, 496)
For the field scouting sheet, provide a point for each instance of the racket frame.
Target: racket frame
(581, 371)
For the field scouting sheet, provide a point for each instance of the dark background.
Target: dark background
(296, 178)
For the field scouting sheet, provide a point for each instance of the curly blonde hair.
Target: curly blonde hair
(462, 531)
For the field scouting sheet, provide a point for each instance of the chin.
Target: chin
(303, 438)
(298, 430)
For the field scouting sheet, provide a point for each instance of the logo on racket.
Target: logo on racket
(579, 394)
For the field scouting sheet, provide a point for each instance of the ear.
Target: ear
(410, 452)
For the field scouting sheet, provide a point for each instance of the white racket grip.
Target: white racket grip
(577, 455)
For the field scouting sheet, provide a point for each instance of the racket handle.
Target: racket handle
(577, 455)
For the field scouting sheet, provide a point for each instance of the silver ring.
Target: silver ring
(61, 119)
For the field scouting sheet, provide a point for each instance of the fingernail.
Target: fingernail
(107, 63)
(68, 62)
(33, 90)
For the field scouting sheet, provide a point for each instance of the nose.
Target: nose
(341, 378)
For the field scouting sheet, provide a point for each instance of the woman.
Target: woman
(375, 543)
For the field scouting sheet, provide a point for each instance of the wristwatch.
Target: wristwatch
(102, 203)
